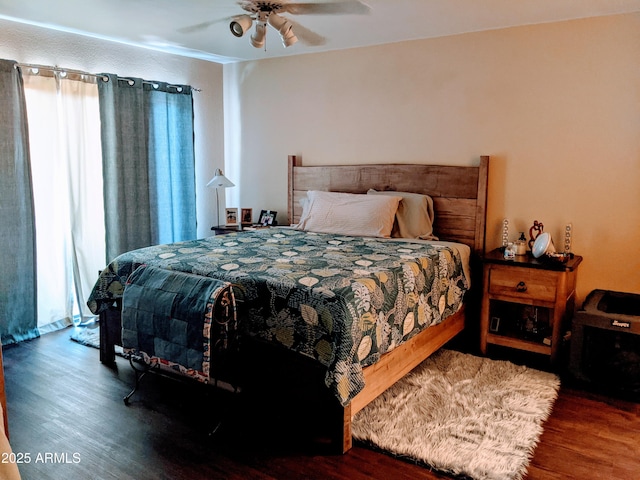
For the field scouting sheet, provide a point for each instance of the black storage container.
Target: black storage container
(605, 342)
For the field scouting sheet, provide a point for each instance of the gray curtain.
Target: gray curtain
(148, 163)
(18, 308)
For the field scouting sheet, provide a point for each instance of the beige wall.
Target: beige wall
(29, 44)
(557, 106)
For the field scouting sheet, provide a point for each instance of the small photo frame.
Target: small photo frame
(246, 216)
(231, 216)
(267, 218)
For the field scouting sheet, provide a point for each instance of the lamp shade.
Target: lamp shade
(258, 38)
(285, 29)
(220, 181)
(240, 24)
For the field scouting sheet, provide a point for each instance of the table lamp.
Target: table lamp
(219, 181)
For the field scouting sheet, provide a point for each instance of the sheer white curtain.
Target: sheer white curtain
(66, 156)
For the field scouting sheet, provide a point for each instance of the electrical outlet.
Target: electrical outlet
(568, 232)
(505, 232)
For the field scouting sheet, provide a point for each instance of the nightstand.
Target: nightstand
(224, 229)
(527, 303)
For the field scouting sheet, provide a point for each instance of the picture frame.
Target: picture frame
(268, 218)
(246, 216)
(231, 217)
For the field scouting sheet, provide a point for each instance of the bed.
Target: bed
(293, 286)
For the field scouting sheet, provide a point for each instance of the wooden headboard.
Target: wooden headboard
(459, 193)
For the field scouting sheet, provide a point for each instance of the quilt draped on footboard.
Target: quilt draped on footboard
(176, 320)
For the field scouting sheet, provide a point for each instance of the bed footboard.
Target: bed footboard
(395, 365)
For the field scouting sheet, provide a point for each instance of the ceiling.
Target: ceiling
(159, 24)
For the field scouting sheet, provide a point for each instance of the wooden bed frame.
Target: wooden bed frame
(460, 200)
(459, 196)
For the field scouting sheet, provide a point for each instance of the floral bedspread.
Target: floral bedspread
(341, 300)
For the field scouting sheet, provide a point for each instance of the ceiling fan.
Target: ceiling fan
(267, 12)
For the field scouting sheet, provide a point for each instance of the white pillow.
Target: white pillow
(414, 217)
(349, 214)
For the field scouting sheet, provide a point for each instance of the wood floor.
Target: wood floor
(66, 412)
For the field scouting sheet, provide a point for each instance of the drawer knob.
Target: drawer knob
(521, 287)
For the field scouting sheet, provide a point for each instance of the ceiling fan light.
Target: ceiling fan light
(284, 27)
(279, 23)
(289, 39)
(240, 24)
(257, 39)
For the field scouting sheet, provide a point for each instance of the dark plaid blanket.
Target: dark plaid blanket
(167, 318)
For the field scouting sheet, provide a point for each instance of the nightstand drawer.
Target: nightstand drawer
(523, 283)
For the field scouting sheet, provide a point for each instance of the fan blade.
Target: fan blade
(329, 8)
(203, 25)
(306, 36)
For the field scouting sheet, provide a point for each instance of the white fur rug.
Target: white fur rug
(464, 415)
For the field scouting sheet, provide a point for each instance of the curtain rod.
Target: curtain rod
(35, 67)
